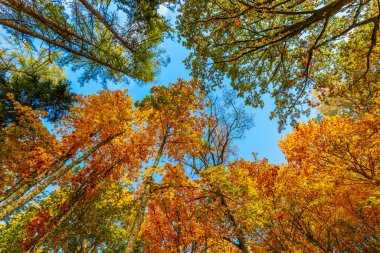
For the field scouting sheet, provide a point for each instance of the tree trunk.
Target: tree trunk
(139, 216)
(20, 191)
(239, 231)
(10, 208)
(139, 219)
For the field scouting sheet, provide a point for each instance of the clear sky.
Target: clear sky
(262, 138)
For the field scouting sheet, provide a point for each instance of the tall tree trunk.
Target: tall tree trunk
(74, 202)
(24, 199)
(239, 231)
(17, 193)
(56, 224)
(139, 218)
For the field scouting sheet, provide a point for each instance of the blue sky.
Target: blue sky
(262, 138)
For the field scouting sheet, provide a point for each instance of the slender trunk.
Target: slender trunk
(239, 231)
(20, 191)
(74, 202)
(10, 208)
(139, 219)
(56, 224)
(11, 191)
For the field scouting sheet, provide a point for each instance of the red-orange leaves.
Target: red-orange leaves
(36, 228)
(175, 220)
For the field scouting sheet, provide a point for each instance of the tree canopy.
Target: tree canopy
(163, 174)
(159, 177)
(282, 48)
(34, 80)
(107, 40)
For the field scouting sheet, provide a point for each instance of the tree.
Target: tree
(175, 122)
(107, 40)
(278, 47)
(330, 185)
(34, 81)
(227, 122)
(41, 162)
(103, 138)
(345, 90)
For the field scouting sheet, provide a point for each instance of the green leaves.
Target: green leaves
(280, 48)
(108, 41)
(35, 81)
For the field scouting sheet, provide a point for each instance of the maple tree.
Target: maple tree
(195, 224)
(83, 137)
(176, 128)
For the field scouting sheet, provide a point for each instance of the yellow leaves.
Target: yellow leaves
(26, 112)
(115, 196)
(331, 176)
(338, 143)
(214, 173)
(373, 200)
(28, 148)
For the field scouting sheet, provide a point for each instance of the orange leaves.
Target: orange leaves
(175, 113)
(175, 220)
(279, 216)
(325, 197)
(26, 148)
(97, 117)
(329, 178)
(36, 228)
(339, 144)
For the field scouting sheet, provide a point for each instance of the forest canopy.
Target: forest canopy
(108, 173)
(283, 48)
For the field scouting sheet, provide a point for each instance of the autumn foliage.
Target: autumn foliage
(107, 152)
(162, 174)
